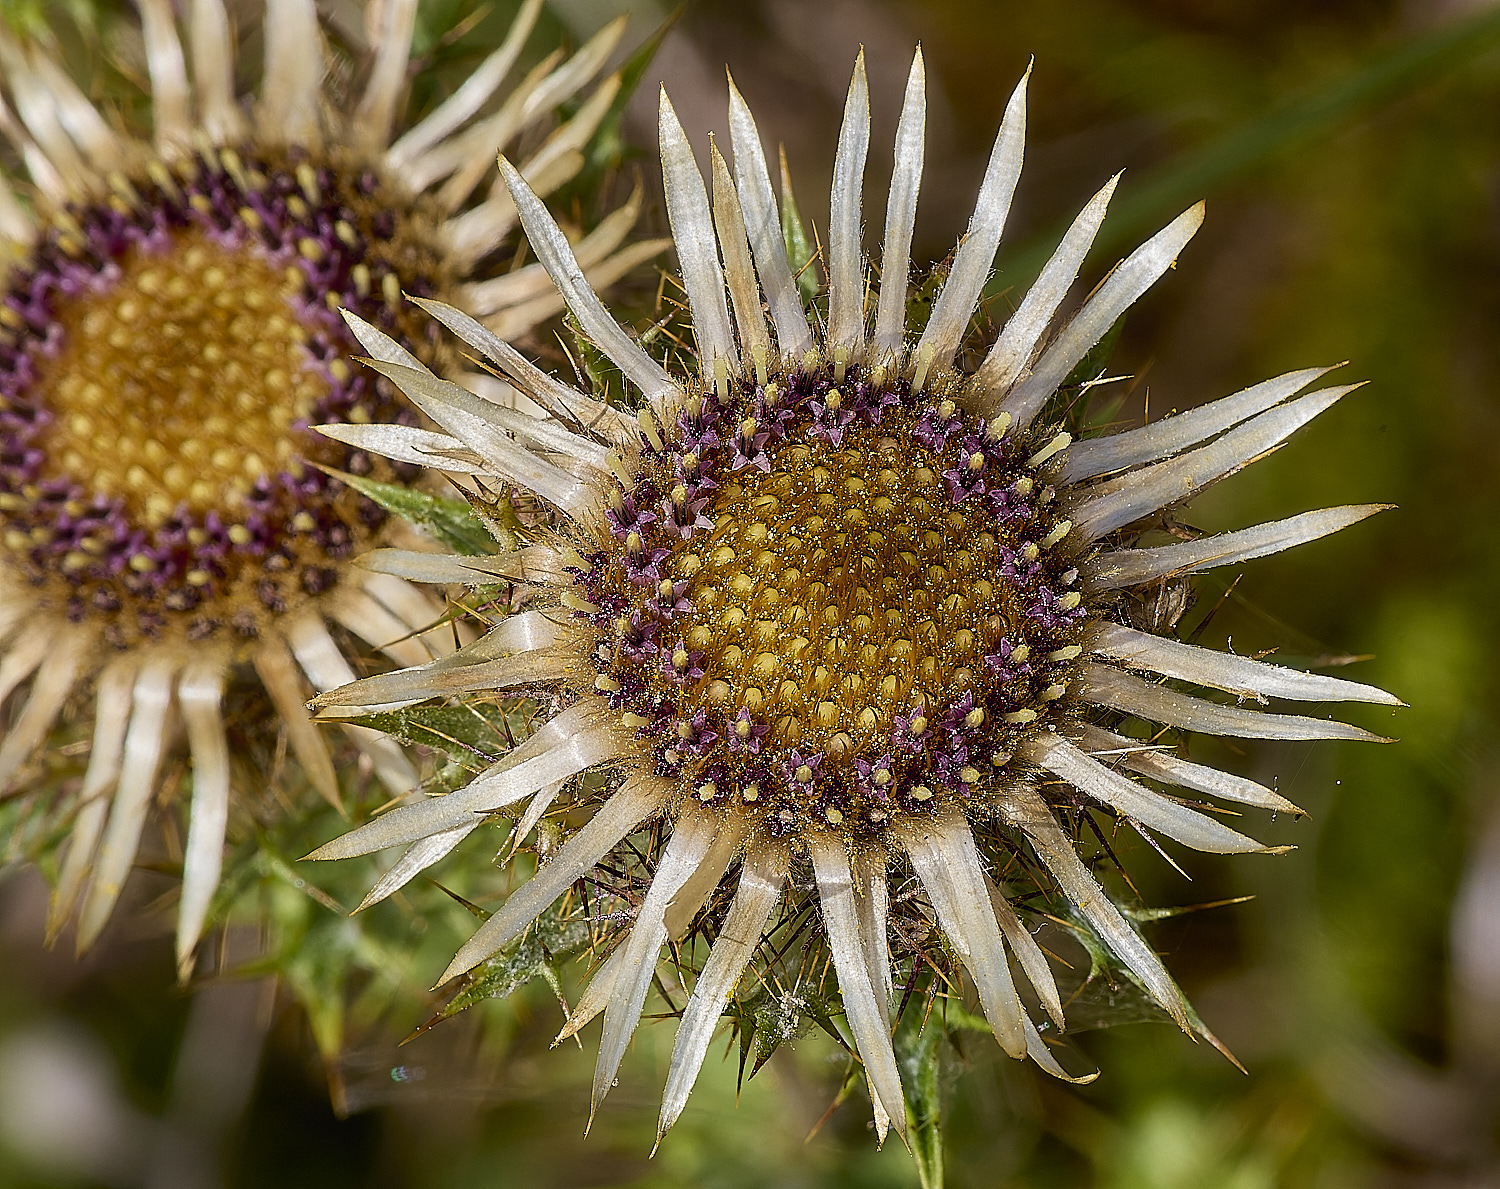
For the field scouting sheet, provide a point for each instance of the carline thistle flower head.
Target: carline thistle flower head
(167, 335)
(834, 603)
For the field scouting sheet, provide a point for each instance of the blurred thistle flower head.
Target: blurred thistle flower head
(168, 332)
(837, 613)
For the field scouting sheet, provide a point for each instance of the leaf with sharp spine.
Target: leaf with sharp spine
(607, 148)
(480, 730)
(503, 975)
(799, 247)
(450, 521)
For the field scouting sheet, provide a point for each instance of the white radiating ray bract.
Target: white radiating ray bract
(846, 274)
(976, 251)
(749, 322)
(901, 211)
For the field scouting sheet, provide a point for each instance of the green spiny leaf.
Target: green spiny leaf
(1142, 915)
(505, 974)
(451, 521)
(921, 298)
(480, 731)
(608, 146)
(784, 1017)
(799, 247)
(1109, 995)
(605, 381)
(742, 1011)
(474, 910)
(1092, 365)
(494, 510)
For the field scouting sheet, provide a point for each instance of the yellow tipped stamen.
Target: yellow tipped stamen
(924, 363)
(1060, 442)
(648, 427)
(1061, 530)
(617, 468)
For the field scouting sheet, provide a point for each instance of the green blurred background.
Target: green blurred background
(1350, 154)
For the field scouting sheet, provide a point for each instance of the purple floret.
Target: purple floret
(694, 734)
(790, 766)
(750, 743)
(1047, 609)
(904, 737)
(630, 518)
(690, 672)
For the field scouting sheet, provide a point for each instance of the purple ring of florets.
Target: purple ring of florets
(910, 769)
(79, 256)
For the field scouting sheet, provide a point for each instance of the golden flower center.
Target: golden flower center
(163, 352)
(179, 384)
(842, 588)
(832, 601)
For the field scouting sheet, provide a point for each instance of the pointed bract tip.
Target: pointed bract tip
(1202, 1030)
(453, 971)
(510, 175)
(88, 933)
(352, 320)
(571, 1028)
(859, 84)
(1015, 106)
